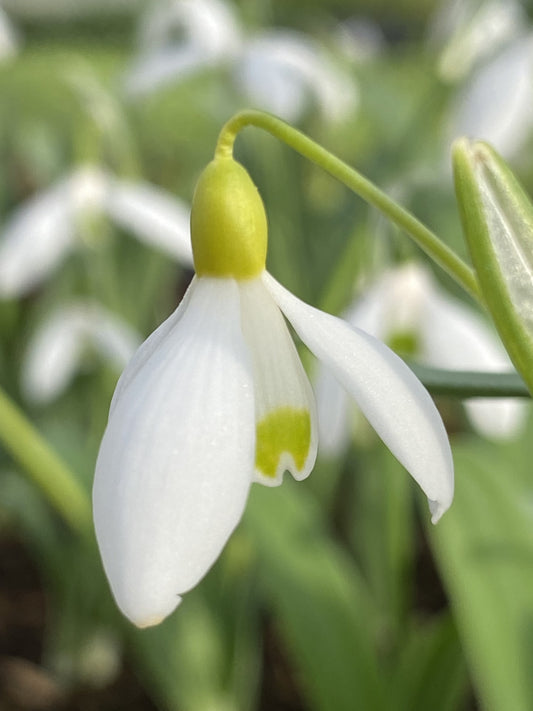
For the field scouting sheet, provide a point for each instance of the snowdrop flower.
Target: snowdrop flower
(55, 351)
(405, 304)
(278, 70)
(217, 398)
(42, 231)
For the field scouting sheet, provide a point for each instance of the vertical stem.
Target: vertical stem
(44, 467)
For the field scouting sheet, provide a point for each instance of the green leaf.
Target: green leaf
(431, 673)
(484, 547)
(320, 603)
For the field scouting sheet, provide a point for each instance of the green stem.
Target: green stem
(463, 384)
(427, 240)
(44, 467)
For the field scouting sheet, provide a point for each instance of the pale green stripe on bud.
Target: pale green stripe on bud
(497, 218)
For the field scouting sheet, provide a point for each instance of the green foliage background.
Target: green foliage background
(335, 593)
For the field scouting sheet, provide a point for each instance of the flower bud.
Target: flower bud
(497, 218)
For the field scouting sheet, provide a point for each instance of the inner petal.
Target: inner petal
(285, 414)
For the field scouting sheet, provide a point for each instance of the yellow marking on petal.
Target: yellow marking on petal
(228, 223)
(405, 343)
(285, 430)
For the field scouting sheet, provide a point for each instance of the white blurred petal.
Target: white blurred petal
(360, 39)
(53, 357)
(41, 232)
(174, 466)
(281, 70)
(152, 216)
(210, 34)
(333, 412)
(55, 351)
(471, 30)
(279, 377)
(455, 337)
(390, 305)
(393, 400)
(495, 105)
(8, 37)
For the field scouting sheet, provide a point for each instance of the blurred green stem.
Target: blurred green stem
(427, 240)
(465, 384)
(44, 467)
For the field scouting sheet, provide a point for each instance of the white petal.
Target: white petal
(163, 67)
(55, 350)
(34, 241)
(281, 388)
(41, 232)
(455, 337)
(392, 305)
(153, 216)
(53, 356)
(210, 34)
(496, 105)
(394, 401)
(333, 412)
(149, 346)
(471, 31)
(281, 70)
(9, 40)
(175, 463)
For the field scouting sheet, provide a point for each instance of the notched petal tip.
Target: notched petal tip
(437, 509)
(285, 441)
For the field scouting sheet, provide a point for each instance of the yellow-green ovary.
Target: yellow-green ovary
(284, 430)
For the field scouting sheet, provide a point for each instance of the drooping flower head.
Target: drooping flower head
(217, 398)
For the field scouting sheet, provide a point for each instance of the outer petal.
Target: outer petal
(284, 403)
(174, 466)
(152, 216)
(394, 401)
(456, 338)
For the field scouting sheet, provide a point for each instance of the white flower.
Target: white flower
(405, 303)
(217, 398)
(42, 231)
(277, 70)
(55, 351)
